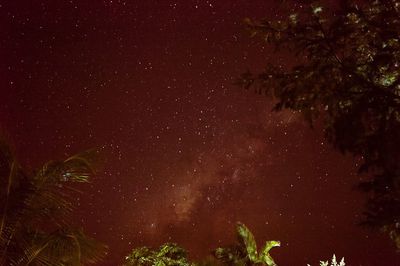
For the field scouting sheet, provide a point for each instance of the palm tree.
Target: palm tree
(35, 226)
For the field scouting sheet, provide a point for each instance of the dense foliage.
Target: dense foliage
(169, 254)
(243, 253)
(346, 74)
(35, 228)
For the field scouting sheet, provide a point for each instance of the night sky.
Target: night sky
(185, 154)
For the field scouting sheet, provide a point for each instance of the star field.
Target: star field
(185, 153)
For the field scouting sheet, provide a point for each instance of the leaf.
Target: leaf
(265, 256)
(247, 238)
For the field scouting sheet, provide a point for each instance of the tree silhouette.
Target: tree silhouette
(35, 228)
(347, 75)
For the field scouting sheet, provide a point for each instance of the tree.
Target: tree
(244, 252)
(169, 254)
(347, 75)
(35, 228)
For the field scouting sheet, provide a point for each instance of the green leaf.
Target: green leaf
(265, 257)
(248, 240)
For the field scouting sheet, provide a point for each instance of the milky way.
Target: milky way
(185, 153)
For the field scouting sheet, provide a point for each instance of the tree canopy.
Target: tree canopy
(347, 75)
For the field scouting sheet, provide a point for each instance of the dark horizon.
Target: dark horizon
(185, 153)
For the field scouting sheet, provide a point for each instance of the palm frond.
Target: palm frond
(37, 231)
(62, 247)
